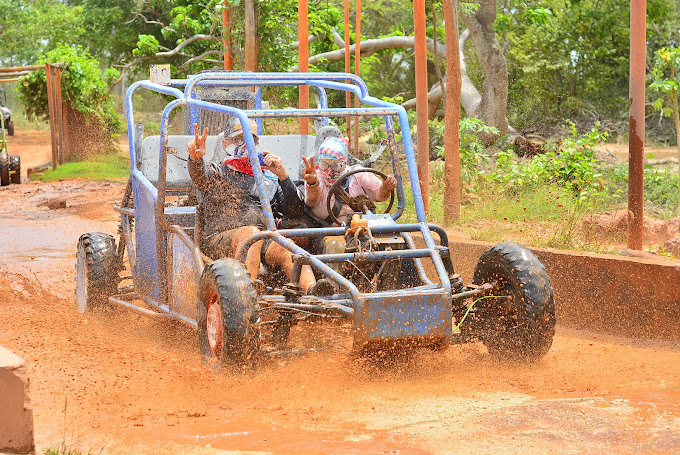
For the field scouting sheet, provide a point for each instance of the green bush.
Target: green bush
(83, 87)
(571, 163)
(473, 156)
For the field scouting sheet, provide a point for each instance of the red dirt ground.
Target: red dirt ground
(119, 383)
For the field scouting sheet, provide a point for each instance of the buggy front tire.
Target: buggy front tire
(520, 323)
(228, 315)
(96, 271)
(15, 169)
(4, 169)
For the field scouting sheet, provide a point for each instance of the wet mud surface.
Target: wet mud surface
(119, 383)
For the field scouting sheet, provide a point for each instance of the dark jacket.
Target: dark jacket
(230, 198)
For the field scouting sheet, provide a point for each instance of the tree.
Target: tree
(667, 83)
(29, 28)
(191, 34)
(494, 102)
(90, 111)
(489, 105)
(110, 28)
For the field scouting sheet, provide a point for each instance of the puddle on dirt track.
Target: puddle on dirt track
(24, 241)
(247, 436)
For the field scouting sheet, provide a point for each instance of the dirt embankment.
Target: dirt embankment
(121, 383)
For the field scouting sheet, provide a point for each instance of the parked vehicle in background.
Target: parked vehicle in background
(10, 165)
(6, 113)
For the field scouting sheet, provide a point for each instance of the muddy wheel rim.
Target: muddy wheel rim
(506, 310)
(214, 325)
(81, 281)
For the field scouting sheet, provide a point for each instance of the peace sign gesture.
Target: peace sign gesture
(309, 171)
(196, 146)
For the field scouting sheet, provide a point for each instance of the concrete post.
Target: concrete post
(16, 411)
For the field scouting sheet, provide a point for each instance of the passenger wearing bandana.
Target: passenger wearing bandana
(332, 164)
(231, 209)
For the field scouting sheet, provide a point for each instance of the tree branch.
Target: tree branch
(436, 55)
(370, 47)
(470, 98)
(296, 44)
(147, 21)
(200, 58)
(176, 52)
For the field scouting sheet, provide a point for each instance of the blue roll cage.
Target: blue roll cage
(320, 81)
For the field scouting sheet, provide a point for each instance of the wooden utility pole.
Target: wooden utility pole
(55, 106)
(252, 37)
(348, 96)
(303, 55)
(452, 114)
(226, 37)
(357, 71)
(423, 154)
(636, 129)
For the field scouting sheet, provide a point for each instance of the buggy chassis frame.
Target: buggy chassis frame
(422, 312)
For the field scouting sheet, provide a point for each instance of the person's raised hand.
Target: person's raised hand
(196, 146)
(275, 165)
(309, 171)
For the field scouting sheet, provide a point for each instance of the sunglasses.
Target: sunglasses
(337, 166)
(240, 140)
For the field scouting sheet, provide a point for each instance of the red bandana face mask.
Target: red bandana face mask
(240, 161)
(331, 175)
(241, 165)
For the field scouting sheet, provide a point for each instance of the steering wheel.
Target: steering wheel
(358, 203)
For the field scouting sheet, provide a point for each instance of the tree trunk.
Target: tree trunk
(252, 44)
(452, 117)
(492, 110)
(676, 117)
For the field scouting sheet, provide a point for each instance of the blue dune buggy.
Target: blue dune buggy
(394, 293)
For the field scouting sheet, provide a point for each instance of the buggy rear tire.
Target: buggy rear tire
(10, 128)
(15, 169)
(4, 169)
(96, 271)
(522, 326)
(228, 314)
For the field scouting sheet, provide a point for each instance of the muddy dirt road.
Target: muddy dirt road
(32, 146)
(120, 383)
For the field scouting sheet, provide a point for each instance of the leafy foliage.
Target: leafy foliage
(473, 155)
(29, 28)
(571, 164)
(82, 85)
(666, 78)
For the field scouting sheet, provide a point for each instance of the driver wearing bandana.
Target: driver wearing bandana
(231, 209)
(332, 164)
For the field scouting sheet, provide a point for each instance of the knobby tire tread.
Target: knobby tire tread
(531, 337)
(100, 256)
(240, 311)
(15, 166)
(4, 169)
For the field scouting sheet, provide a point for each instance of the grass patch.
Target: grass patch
(548, 216)
(96, 168)
(545, 204)
(65, 450)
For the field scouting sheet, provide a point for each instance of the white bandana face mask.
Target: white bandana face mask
(233, 151)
